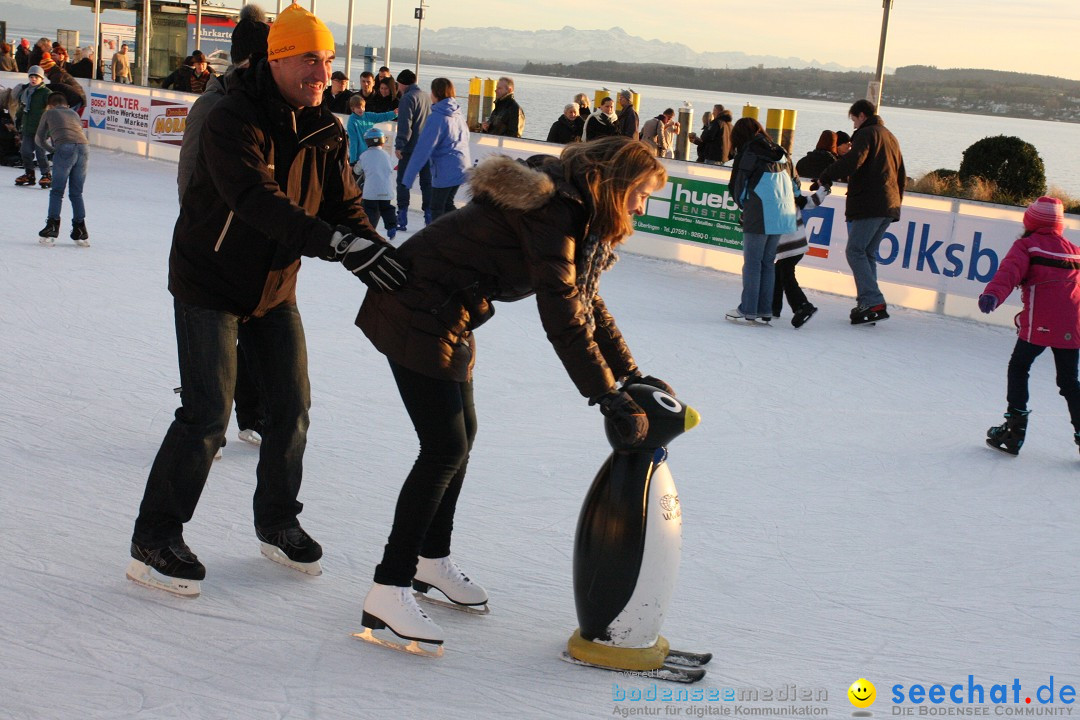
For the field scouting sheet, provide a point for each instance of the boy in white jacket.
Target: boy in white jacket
(378, 182)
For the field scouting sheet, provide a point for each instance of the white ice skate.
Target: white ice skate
(145, 575)
(444, 575)
(395, 608)
(250, 436)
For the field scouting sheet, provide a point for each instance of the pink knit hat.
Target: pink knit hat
(1046, 212)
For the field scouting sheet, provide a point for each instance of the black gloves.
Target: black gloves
(626, 416)
(637, 379)
(370, 260)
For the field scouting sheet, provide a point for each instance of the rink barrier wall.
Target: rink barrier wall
(937, 258)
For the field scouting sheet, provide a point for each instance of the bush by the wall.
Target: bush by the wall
(1011, 164)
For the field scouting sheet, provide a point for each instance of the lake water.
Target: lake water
(929, 139)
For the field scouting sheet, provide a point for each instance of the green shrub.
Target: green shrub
(944, 173)
(1011, 164)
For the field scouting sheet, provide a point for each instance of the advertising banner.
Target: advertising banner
(167, 121)
(215, 40)
(120, 113)
(943, 250)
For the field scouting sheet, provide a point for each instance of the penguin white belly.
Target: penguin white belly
(638, 624)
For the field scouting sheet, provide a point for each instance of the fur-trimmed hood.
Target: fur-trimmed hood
(509, 183)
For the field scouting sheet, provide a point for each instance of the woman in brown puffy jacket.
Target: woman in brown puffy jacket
(547, 227)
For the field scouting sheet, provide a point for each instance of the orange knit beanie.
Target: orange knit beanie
(295, 32)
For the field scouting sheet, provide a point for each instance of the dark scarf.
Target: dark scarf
(593, 258)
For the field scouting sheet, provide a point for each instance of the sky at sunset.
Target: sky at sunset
(1037, 36)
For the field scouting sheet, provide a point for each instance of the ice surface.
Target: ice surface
(842, 515)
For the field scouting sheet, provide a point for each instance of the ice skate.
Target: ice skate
(174, 569)
(47, 235)
(403, 220)
(27, 179)
(1009, 436)
(79, 234)
(736, 316)
(293, 548)
(804, 313)
(444, 575)
(250, 436)
(46, 181)
(869, 315)
(394, 608)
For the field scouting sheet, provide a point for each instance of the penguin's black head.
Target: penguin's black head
(668, 418)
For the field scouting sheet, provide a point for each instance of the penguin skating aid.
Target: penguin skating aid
(627, 551)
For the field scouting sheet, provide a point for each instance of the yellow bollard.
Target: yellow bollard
(774, 123)
(487, 103)
(750, 111)
(472, 118)
(787, 136)
(600, 95)
(635, 100)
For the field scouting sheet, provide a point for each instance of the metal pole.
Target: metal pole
(198, 25)
(887, 4)
(278, 7)
(146, 44)
(419, 27)
(312, 7)
(348, 40)
(389, 14)
(97, 39)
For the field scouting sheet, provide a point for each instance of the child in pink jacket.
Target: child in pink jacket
(1046, 266)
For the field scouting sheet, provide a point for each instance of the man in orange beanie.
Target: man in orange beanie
(271, 184)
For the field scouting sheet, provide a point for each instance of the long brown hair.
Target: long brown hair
(612, 168)
(442, 88)
(745, 130)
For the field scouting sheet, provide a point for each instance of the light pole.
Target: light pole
(348, 40)
(419, 15)
(874, 93)
(389, 14)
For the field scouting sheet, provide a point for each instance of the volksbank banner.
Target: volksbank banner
(940, 250)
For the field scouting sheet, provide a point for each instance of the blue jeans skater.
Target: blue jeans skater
(758, 275)
(70, 161)
(864, 238)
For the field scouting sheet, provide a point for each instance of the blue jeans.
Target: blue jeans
(29, 150)
(864, 237)
(276, 352)
(758, 274)
(425, 185)
(69, 165)
(442, 200)
(444, 417)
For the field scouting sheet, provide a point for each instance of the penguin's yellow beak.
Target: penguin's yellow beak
(692, 418)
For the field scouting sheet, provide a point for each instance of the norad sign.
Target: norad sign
(695, 210)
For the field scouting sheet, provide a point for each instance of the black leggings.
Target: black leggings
(786, 284)
(1065, 361)
(444, 417)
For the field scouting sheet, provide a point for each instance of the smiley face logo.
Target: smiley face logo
(862, 693)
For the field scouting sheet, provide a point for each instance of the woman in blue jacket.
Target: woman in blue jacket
(763, 186)
(445, 142)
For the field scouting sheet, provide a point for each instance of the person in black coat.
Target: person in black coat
(821, 157)
(602, 122)
(564, 130)
(715, 140)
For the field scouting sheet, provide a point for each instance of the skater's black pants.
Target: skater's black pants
(425, 184)
(206, 342)
(444, 417)
(1065, 361)
(375, 209)
(249, 404)
(786, 284)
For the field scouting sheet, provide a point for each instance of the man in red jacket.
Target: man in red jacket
(875, 168)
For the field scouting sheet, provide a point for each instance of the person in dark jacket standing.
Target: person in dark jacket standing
(336, 97)
(271, 184)
(876, 176)
(602, 122)
(507, 118)
(22, 55)
(715, 140)
(546, 227)
(628, 116)
(413, 110)
(565, 129)
(822, 156)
